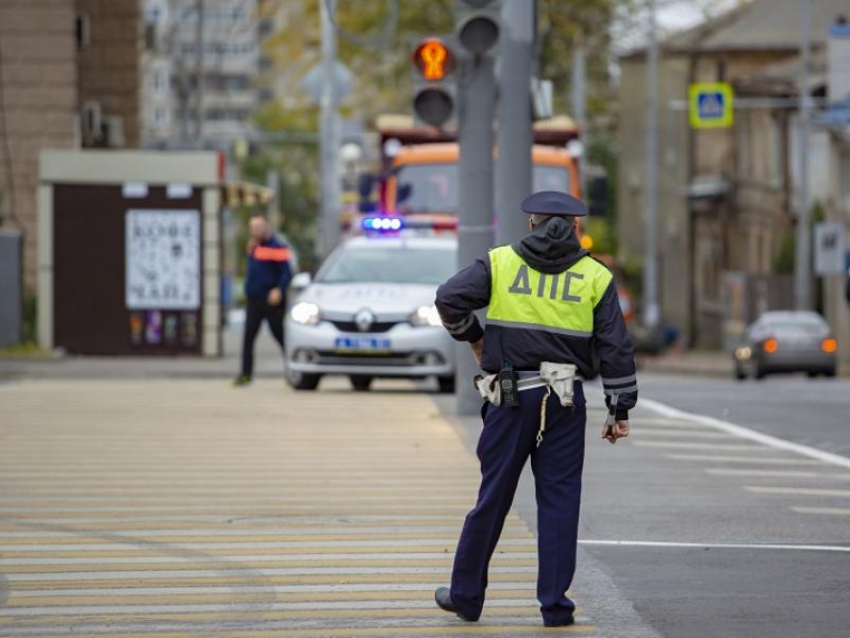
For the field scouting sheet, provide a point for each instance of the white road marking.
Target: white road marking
(265, 558)
(690, 433)
(747, 433)
(245, 587)
(776, 473)
(807, 548)
(683, 445)
(832, 511)
(354, 542)
(797, 491)
(224, 567)
(114, 610)
(341, 529)
(742, 459)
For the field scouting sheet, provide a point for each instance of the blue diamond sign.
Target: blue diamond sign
(711, 105)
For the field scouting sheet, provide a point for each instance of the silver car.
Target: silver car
(787, 341)
(370, 313)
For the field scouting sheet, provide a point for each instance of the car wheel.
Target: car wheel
(831, 372)
(760, 373)
(360, 382)
(812, 374)
(303, 381)
(447, 384)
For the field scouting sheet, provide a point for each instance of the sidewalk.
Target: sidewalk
(268, 363)
(691, 362)
(186, 508)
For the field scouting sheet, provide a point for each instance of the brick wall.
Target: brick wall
(108, 65)
(38, 78)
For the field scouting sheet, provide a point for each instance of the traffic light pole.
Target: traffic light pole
(477, 93)
(327, 232)
(516, 67)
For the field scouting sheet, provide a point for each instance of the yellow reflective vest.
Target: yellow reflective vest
(561, 303)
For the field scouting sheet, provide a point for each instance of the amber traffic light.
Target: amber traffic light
(433, 90)
(433, 59)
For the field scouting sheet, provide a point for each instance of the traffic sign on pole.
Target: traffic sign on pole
(711, 105)
(830, 248)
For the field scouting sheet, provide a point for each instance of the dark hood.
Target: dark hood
(552, 247)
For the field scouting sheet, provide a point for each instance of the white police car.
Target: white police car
(370, 311)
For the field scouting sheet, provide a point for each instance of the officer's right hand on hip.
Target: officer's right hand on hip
(617, 430)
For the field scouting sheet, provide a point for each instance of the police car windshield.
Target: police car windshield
(385, 265)
(434, 187)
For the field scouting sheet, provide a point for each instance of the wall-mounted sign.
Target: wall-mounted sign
(830, 248)
(163, 267)
(711, 105)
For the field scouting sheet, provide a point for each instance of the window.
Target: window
(742, 135)
(83, 30)
(775, 155)
(402, 265)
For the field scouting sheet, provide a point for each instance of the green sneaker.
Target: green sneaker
(241, 380)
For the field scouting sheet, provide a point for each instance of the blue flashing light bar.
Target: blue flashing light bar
(382, 224)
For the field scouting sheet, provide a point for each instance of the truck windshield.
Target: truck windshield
(385, 265)
(433, 188)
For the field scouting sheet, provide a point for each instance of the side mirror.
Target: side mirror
(365, 185)
(300, 281)
(404, 192)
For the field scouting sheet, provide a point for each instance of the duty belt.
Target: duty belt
(531, 380)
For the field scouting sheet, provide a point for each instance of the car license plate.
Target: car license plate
(362, 344)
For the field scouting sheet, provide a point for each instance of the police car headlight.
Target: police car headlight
(305, 313)
(426, 316)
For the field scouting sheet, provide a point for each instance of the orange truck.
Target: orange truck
(420, 173)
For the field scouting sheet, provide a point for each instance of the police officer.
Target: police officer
(549, 301)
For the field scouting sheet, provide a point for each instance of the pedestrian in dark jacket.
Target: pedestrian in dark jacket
(551, 306)
(269, 274)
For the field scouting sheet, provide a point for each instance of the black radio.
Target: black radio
(508, 386)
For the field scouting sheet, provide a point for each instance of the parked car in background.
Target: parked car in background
(787, 341)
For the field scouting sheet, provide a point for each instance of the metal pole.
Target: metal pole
(328, 230)
(803, 248)
(475, 222)
(515, 138)
(578, 101)
(650, 270)
(199, 75)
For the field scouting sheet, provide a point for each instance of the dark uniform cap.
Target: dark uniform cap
(553, 203)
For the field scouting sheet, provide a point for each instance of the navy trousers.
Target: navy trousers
(507, 440)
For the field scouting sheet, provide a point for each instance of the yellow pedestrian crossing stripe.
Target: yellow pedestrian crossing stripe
(175, 509)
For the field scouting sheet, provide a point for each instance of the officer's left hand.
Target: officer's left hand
(275, 297)
(620, 430)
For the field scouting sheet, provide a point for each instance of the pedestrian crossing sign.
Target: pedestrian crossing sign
(710, 105)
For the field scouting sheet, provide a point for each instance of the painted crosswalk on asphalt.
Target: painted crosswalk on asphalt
(153, 508)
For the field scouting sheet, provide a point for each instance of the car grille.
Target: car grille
(411, 358)
(351, 326)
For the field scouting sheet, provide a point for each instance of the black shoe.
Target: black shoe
(564, 622)
(443, 598)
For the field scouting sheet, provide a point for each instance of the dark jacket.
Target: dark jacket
(551, 248)
(268, 267)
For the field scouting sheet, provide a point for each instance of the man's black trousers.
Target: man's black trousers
(255, 312)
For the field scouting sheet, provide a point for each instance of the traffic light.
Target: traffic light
(433, 89)
(477, 24)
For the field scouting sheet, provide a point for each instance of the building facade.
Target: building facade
(727, 198)
(200, 81)
(38, 107)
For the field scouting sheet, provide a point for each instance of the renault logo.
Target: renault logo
(364, 320)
